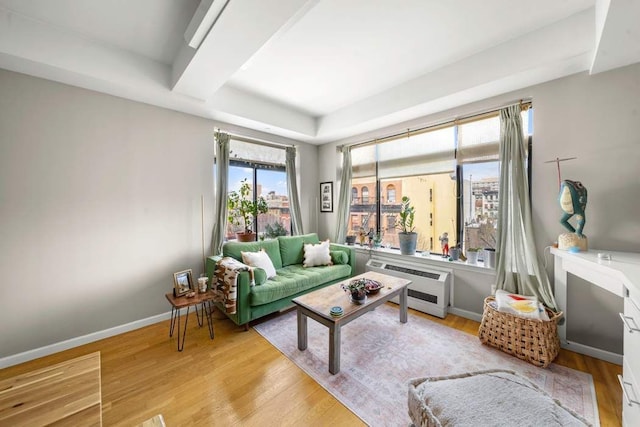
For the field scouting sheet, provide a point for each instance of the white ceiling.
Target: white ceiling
(315, 70)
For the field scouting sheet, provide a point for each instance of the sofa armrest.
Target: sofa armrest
(210, 266)
(351, 252)
(242, 290)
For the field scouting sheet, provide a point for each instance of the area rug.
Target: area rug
(379, 356)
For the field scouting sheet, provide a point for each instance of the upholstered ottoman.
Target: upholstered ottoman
(485, 398)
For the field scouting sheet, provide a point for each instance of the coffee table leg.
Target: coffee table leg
(334, 349)
(302, 330)
(403, 304)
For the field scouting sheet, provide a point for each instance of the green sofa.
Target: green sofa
(291, 280)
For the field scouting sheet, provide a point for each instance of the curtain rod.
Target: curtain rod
(257, 141)
(524, 105)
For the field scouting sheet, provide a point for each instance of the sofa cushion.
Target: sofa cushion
(295, 278)
(261, 260)
(316, 255)
(339, 257)
(259, 276)
(291, 248)
(271, 247)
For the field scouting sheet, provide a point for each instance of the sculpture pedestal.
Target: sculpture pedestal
(568, 240)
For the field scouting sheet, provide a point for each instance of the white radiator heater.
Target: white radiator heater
(429, 290)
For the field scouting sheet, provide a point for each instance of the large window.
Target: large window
(263, 168)
(451, 174)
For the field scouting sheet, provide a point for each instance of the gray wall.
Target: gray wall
(595, 118)
(99, 205)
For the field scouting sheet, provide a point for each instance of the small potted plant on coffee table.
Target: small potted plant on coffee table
(357, 289)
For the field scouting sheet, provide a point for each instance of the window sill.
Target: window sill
(436, 261)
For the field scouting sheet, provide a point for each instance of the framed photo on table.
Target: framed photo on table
(182, 283)
(326, 196)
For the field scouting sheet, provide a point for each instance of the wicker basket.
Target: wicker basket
(535, 341)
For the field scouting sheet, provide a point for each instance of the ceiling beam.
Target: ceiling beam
(617, 34)
(241, 29)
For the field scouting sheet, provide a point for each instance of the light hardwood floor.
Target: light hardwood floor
(241, 379)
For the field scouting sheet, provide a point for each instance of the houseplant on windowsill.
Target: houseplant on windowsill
(472, 255)
(407, 236)
(243, 210)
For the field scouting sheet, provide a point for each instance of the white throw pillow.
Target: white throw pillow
(520, 305)
(260, 260)
(315, 255)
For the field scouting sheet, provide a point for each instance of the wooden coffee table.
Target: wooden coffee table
(317, 305)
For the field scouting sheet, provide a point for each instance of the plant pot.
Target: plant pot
(246, 237)
(408, 243)
(350, 240)
(490, 257)
(454, 253)
(358, 297)
(472, 257)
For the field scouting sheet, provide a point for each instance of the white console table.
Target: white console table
(621, 276)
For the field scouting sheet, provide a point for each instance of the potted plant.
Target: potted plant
(358, 288)
(243, 210)
(472, 255)
(274, 231)
(407, 237)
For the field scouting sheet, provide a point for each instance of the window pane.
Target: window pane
(434, 199)
(363, 209)
(481, 202)
(272, 185)
(236, 175)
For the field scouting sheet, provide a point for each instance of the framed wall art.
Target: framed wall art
(326, 196)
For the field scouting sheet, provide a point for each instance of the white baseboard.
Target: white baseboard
(466, 314)
(593, 352)
(78, 341)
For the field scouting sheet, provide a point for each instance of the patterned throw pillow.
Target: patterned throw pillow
(315, 255)
(259, 260)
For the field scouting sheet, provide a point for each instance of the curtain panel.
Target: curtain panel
(518, 268)
(345, 196)
(221, 190)
(292, 188)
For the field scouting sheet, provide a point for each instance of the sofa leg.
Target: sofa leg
(246, 326)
